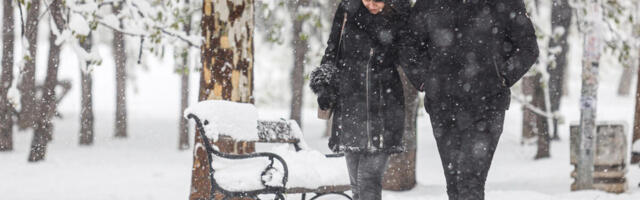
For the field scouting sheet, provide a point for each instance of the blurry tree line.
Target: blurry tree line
(128, 27)
(542, 90)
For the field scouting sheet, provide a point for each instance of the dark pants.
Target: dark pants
(365, 173)
(466, 142)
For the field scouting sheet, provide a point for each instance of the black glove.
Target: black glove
(322, 78)
(326, 99)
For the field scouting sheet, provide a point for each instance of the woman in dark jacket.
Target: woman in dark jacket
(359, 82)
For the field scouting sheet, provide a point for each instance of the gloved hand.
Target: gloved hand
(326, 99)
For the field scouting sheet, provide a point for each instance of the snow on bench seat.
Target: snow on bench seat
(308, 169)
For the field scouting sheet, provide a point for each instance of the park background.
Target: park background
(149, 162)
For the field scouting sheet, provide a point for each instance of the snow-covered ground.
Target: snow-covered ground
(148, 166)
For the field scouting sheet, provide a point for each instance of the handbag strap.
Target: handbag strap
(344, 22)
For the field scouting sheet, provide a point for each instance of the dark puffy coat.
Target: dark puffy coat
(466, 54)
(368, 115)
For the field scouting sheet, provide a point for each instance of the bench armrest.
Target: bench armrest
(210, 150)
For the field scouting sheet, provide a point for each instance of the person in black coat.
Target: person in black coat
(359, 81)
(465, 55)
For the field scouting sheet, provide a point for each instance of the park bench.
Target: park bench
(290, 167)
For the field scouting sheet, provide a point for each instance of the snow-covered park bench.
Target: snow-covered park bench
(290, 167)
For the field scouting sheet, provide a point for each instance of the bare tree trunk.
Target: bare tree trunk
(227, 74)
(542, 128)
(528, 117)
(86, 116)
(561, 14)
(183, 143)
(47, 105)
(121, 80)
(624, 87)
(27, 85)
(6, 113)
(300, 49)
(635, 156)
(401, 171)
(86, 110)
(333, 7)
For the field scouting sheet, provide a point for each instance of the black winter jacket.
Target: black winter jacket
(466, 54)
(368, 115)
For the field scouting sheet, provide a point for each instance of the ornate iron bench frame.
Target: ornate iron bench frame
(277, 191)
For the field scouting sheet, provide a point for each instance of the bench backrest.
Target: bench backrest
(238, 122)
(281, 131)
(277, 131)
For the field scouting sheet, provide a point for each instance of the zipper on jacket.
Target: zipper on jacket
(380, 113)
(368, 68)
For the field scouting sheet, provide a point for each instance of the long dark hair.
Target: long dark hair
(394, 7)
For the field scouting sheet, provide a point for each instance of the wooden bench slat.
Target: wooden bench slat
(290, 141)
(323, 189)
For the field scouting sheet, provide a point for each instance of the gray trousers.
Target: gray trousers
(365, 172)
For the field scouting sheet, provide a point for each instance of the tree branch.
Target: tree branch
(533, 108)
(21, 18)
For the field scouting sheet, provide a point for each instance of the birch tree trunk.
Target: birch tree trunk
(227, 74)
(27, 85)
(121, 80)
(561, 14)
(6, 79)
(86, 109)
(588, 101)
(46, 107)
(185, 72)
(401, 171)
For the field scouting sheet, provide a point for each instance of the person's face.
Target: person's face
(373, 6)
